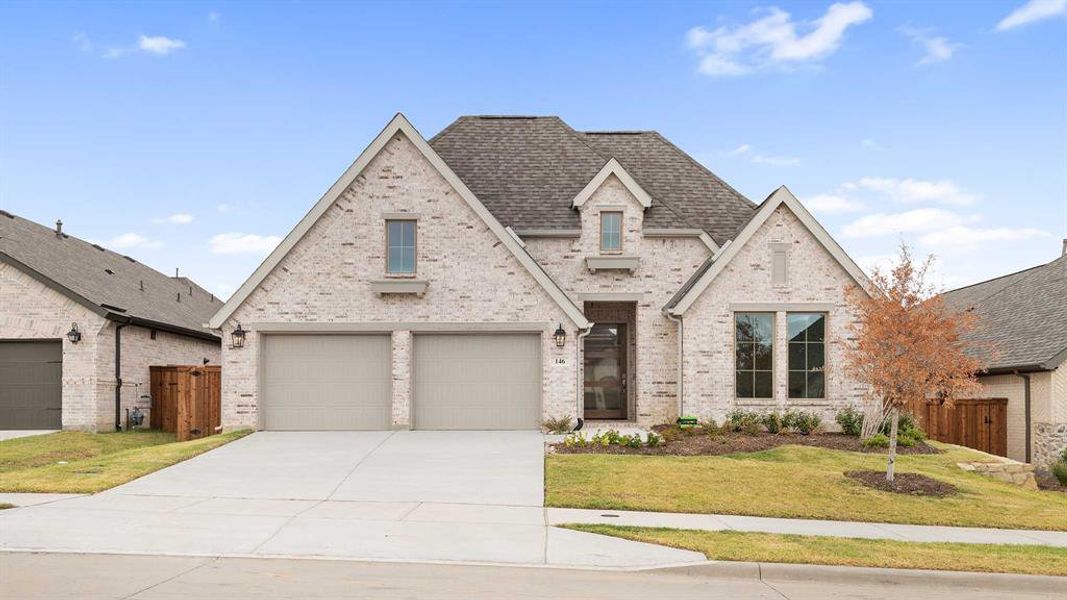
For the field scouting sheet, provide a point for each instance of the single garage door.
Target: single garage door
(320, 382)
(31, 385)
(477, 382)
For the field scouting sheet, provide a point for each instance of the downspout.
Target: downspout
(118, 374)
(681, 340)
(578, 375)
(1026, 403)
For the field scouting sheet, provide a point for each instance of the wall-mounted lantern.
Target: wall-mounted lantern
(561, 336)
(74, 335)
(237, 338)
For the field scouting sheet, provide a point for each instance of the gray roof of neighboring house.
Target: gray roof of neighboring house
(1022, 315)
(527, 171)
(107, 282)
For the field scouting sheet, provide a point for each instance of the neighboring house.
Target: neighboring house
(513, 269)
(71, 310)
(1023, 321)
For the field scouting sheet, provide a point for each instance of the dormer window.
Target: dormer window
(400, 244)
(611, 232)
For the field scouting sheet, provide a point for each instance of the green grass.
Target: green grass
(77, 462)
(822, 550)
(796, 482)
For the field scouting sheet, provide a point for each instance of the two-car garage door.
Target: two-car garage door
(316, 382)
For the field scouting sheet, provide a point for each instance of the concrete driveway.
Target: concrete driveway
(396, 496)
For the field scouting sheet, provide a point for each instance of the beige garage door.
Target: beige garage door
(477, 382)
(320, 382)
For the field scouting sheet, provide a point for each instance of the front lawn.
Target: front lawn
(78, 462)
(822, 550)
(797, 482)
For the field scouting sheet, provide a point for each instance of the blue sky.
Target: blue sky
(196, 134)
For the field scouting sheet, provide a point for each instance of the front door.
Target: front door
(605, 371)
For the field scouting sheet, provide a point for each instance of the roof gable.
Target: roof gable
(715, 265)
(398, 125)
(612, 167)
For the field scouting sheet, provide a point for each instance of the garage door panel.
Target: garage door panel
(31, 385)
(477, 382)
(327, 382)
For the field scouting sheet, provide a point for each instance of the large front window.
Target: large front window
(754, 355)
(400, 243)
(807, 355)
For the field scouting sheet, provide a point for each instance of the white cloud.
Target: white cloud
(775, 161)
(830, 204)
(1032, 12)
(763, 159)
(131, 240)
(935, 48)
(82, 42)
(772, 39)
(224, 208)
(176, 219)
(911, 191)
(869, 144)
(214, 17)
(918, 220)
(158, 44)
(968, 236)
(243, 243)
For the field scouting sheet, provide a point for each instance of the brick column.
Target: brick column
(401, 370)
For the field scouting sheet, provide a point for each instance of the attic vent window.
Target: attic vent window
(779, 263)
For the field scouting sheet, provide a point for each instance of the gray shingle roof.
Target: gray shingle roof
(107, 280)
(527, 170)
(1022, 315)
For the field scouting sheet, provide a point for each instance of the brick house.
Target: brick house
(69, 311)
(512, 269)
(1023, 317)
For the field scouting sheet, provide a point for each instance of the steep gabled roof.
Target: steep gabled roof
(527, 171)
(399, 124)
(106, 282)
(714, 265)
(1022, 315)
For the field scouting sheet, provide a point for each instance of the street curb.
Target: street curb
(771, 572)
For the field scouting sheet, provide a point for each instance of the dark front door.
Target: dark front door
(605, 371)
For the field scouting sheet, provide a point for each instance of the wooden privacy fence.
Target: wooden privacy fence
(186, 400)
(979, 423)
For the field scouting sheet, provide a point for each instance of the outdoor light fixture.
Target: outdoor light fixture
(237, 337)
(74, 335)
(561, 336)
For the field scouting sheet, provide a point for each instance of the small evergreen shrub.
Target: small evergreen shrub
(1059, 471)
(850, 420)
(878, 440)
(653, 440)
(772, 421)
(744, 420)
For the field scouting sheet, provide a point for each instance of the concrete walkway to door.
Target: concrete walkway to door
(396, 496)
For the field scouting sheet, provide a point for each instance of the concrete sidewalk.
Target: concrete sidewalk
(850, 529)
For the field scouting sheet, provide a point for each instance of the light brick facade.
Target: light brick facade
(29, 310)
(814, 276)
(1048, 412)
(326, 279)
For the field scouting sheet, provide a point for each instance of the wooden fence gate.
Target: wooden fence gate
(979, 423)
(186, 400)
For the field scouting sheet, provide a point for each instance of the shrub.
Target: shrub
(562, 424)
(653, 440)
(752, 427)
(850, 420)
(744, 420)
(772, 421)
(878, 440)
(802, 422)
(1063, 455)
(671, 433)
(576, 440)
(711, 427)
(632, 441)
(1059, 470)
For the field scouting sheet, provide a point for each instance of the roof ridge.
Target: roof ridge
(992, 279)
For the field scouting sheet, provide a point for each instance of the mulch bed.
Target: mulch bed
(912, 484)
(695, 442)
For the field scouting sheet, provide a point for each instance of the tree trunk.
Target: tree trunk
(874, 414)
(889, 469)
